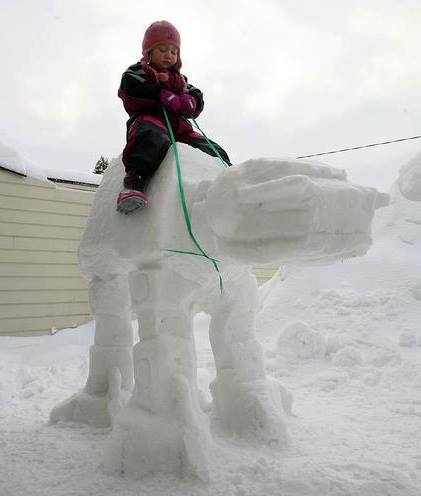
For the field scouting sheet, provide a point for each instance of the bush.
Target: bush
(101, 165)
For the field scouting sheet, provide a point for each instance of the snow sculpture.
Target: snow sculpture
(262, 211)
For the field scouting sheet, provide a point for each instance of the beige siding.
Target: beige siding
(38, 205)
(41, 287)
(44, 310)
(49, 324)
(263, 274)
(41, 257)
(58, 296)
(38, 270)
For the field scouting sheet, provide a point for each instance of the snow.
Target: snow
(285, 211)
(410, 179)
(11, 160)
(345, 342)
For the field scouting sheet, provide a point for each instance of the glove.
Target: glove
(170, 101)
(188, 104)
(184, 104)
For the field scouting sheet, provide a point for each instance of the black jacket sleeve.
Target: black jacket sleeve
(199, 97)
(134, 83)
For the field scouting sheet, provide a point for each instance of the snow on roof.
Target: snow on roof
(12, 161)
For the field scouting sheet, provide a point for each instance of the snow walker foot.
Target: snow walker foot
(131, 199)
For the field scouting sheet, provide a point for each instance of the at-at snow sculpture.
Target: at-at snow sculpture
(258, 212)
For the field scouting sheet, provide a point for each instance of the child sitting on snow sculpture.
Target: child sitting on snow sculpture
(147, 87)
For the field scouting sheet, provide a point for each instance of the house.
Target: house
(41, 221)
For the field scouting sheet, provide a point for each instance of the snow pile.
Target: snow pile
(12, 161)
(410, 179)
(298, 340)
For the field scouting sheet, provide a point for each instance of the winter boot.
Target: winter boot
(133, 195)
(131, 199)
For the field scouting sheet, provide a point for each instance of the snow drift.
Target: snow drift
(410, 179)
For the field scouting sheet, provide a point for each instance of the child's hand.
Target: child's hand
(184, 104)
(170, 101)
(188, 104)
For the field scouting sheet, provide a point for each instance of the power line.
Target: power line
(359, 147)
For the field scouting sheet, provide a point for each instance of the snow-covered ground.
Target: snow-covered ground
(345, 339)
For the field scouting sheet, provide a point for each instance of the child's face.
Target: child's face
(164, 56)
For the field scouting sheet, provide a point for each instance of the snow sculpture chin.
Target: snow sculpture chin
(277, 211)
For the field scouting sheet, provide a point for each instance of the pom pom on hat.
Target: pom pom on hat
(161, 32)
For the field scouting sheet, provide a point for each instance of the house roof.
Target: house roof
(13, 162)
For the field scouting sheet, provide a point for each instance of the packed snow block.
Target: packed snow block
(302, 211)
(105, 358)
(157, 362)
(83, 408)
(410, 179)
(251, 409)
(100, 401)
(162, 429)
(248, 359)
(116, 329)
(114, 244)
(143, 443)
(111, 298)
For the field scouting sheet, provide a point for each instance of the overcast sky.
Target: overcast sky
(280, 77)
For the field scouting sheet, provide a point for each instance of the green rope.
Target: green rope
(184, 206)
(213, 147)
(186, 252)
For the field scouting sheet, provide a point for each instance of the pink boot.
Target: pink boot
(131, 199)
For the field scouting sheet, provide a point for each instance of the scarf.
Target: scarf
(171, 80)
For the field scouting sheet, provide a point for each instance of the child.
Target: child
(146, 88)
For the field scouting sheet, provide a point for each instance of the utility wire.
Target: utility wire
(359, 147)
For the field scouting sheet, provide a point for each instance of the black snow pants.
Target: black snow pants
(147, 145)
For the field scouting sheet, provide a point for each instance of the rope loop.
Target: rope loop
(217, 154)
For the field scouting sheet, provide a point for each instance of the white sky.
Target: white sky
(286, 77)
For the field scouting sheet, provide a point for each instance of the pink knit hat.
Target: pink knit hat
(161, 32)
